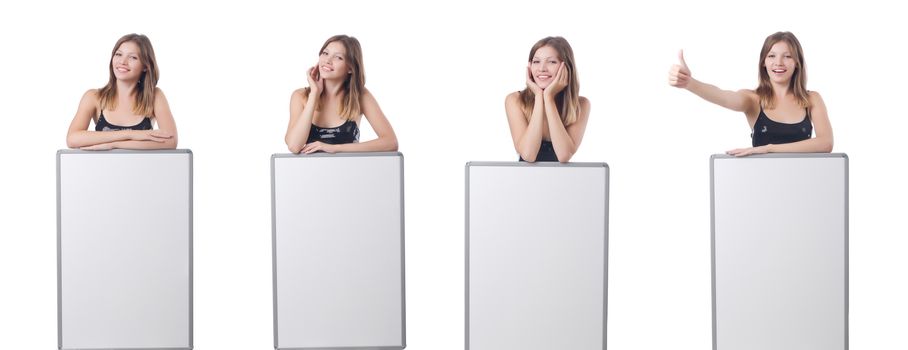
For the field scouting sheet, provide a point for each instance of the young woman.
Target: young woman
(125, 110)
(325, 116)
(548, 118)
(781, 112)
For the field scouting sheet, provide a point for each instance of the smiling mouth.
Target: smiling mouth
(327, 69)
(779, 71)
(543, 77)
(122, 69)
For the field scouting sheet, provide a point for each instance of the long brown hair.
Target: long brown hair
(144, 96)
(798, 83)
(568, 100)
(355, 84)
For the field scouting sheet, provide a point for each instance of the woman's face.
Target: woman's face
(126, 63)
(544, 66)
(780, 63)
(332, 62)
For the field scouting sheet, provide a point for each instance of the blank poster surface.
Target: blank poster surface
(338, 251)
(124, 244)
(537, 243)
(780, 252)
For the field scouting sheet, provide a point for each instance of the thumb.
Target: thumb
(681, 58)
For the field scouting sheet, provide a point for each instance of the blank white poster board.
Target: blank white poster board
(536, 260)
(338, 251)
(124, 249)
(780, 252)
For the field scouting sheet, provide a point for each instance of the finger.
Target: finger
(739, 152)
(314, 146)
(681, 58)
(313, 73)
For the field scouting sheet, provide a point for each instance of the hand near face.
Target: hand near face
(531, 84)
(559, 83)
(316, 83)
(319, 146)
(679, 74)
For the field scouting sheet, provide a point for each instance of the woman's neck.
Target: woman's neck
(333, 88)
(126, 89)
(780, 91)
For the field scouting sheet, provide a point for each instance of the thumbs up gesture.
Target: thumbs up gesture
(679, 74)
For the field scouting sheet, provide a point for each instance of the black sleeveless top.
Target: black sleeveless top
(348, 132)
(767, 131)
(546, 153)
(104, 125)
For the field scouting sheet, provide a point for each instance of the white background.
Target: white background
(441, 72)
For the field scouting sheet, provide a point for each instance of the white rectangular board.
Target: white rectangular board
(124, 249)
(338, 251)
(780, 252)
(537, 253)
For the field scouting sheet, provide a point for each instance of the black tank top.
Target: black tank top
(104, 125)
(348, 132)
(546, 153)
(767, 131)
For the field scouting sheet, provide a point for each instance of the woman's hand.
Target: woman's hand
(741, 152)
(100, 147)
(316, 83)
(679, 74)
(531, 84)
(151, 135)
(319, 146)
(559, 83)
